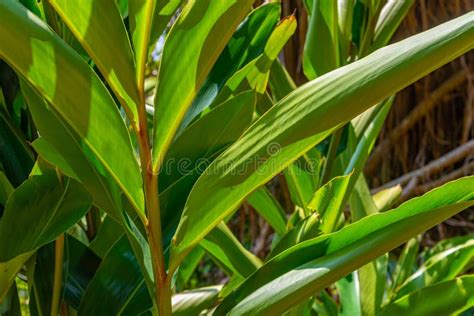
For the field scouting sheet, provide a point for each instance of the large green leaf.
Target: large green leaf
(441, 267)
(140, 15)
(246, 44)
(45, 207)
(115, 285)
(99, 28)
(306, 117)
(311, 266)
(75, 92)
(195, 149)
(228, 252)
(445, 298)
(321, 49)
(60, 145)
(193, 45)
(388, 21)
(254, 75)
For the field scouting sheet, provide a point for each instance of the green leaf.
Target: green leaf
(162, 14)
(307, 228)
(75, 92)
(306, 117)
(345, 14)
(46, 208)
(445, 298)
(117, 285)
(188, 266)
(280, 81)
(6, 189)
(109, 232)
(206, 136)
(386, 198)
(405, 265)
(47, 151)
(191, 48)
(16, 156)
(9, 271)
(311, 266)
(99, 28)
(349, 295)
(254, 75)
(269, 208)
(225, 249)
(195, 149)
(60, 145)
(247, 43)
(441, 267)
(302, 178)
(140, 15)
(388, 21)
(321, 49)
(328, 202)
(81, 264)
(195, 301)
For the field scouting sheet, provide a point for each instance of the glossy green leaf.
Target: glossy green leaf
(81, 264)
(269, 208)
(47, 151)
(388, 21)
(206, 136)
(386, 198)
(247, 43)
(109, 232)
(310, 266)
(75, 92)
(195, 301)
(345, 12)
(99, 28)
(191, 48)
(307, 228)
(321, 49)
(254, 75)
(445, 298)
(226, 250)
(46, 208)
(188, 266)
(115, 284)
(195, 149)
(306, 117)
(60, 145)
(49, 206)
(349, 295)
(140, 15)
(328, 200)
(162, 14)
(280, 81)
(405, 265)
(302, 177)
(441, 267)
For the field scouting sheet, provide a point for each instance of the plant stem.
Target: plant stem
(58, 274)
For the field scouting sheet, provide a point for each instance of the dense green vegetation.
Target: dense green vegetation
(114, 183)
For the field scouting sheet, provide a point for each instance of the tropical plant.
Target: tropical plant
(115, 184)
